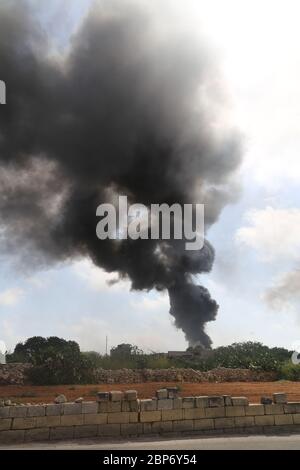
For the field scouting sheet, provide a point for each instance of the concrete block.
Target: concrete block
(280, 398)
(215, 401)
(54, 410)
(239, 401)
(165, 404)
(227, 400)
(172, 392)
(244, 421)
(37, 410)
(188, 402)
(177, 403)
(5, 424)
(125, 406)
(296, 418)
(253, 410)
(231, 411)
(97, 418)
(4, 412)
(72, 420)
(62, 433)
(162, 426)
(281, 420)
(134, 405)
(264, 420)
(86, 431)
(221, 423)
(118, 418)
(116, 396)
(266, 401)
(109, 430)
(274, 409)
(148, 405)
(162, 393)
(147, 428)
(18, 411)
(194, 413)
(102, 396)
(203, 424)
(291, 407)
(24, 423)
(47, 421)
(215, 412)
(89, 407)
(172, 415)
(12, 437)
(184, 425)
(131, 429)
(201, 402)
(72, 408)
(37, 434)
(150, 416)
(130, 395)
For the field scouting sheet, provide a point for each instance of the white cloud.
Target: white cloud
(97, 279)
(273, 233)
(10, 297)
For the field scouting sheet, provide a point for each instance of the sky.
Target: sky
(256, 275)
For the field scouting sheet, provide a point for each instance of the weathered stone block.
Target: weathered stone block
(177, 403)
(215, 412)
(60, 399)
(72, 420)
(239, 401)
(280, 398)
(188, 402)
(90, 407)
(54, 410)
(116, 396)
(296, 418)
(24, 423)
(162, 393)
(86, 431)
(172, 392)
(221, 423)
(72, 408)
(231, 411)
(165, 404)
(281, 420)
(118, 418)
(244, 421)
(162, 426)
(134, 405)
(47, 421)
(4, 412)
(227, 400)
(131, 429)
(37, 410)
(5, 424)
(264, 420)
(266, 401)
(62, 433)
(215, 401)
(97, 418)
(130, 395)
(12, 437)
(148, 405)
(203, 424)
(125, 405)
(184, 425)
(201, 402)
(194, 413)
(147, 428)
(150, 416)
(172, 415)
(292, 407)
(18, 411)
(274, 409)
(37, 434)
(113, 406)
(253, 410)
(102, 396)
(109, 430)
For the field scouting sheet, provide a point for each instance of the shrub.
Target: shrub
(290, 371)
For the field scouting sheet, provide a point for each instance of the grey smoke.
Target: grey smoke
(131, 108)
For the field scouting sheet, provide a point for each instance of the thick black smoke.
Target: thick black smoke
(131, 108)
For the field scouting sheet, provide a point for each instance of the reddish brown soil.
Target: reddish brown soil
(252, 390)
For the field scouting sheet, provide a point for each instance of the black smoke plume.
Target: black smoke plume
(132, 107)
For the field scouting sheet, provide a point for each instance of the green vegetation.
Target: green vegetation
(57, 361)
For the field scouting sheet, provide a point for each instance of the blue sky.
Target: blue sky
(256, 277)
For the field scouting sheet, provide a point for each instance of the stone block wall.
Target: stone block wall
(121, 415)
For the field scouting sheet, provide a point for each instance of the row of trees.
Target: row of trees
(57, 361)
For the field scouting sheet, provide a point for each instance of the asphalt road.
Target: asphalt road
(286, 442)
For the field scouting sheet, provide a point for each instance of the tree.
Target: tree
(125, 350)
